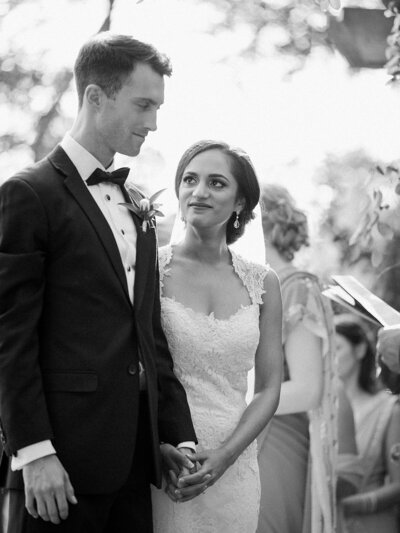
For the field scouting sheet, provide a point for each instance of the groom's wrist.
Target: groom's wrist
(31, 453)
(187, 444)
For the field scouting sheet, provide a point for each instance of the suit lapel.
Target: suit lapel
(144, 246)
(79, 191)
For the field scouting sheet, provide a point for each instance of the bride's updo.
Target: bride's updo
(242, 170)
(284, 224)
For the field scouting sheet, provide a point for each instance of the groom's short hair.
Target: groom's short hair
(108, 59)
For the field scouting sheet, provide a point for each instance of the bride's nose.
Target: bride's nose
(201, 190)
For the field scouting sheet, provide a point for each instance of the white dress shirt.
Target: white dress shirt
(107, 196)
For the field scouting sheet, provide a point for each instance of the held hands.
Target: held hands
(176, 462)
(211, 466)
(47, 489)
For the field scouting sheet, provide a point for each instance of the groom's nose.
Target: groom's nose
(151, 120)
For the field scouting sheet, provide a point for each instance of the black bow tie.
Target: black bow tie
(117, 176)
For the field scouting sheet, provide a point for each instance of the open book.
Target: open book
(356, 298)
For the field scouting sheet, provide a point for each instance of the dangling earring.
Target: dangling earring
(236, 224)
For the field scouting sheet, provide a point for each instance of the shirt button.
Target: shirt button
(123, 232)
(132, 369)
(107, 197)
(128, 269)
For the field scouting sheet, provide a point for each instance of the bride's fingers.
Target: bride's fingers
(170, 491)
(187, 493)
(199, 477)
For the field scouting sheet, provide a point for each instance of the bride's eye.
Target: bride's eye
(189, 180)
(217, 184)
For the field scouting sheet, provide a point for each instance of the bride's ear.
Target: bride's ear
(240, 203)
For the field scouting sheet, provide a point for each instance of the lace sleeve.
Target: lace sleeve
(252, 275)
(164, 258)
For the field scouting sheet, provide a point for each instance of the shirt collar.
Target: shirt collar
(83, 160)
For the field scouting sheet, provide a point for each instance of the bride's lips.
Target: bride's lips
(200, 205)
(138, 135)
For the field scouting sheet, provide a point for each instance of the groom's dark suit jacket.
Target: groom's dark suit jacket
(70, 339)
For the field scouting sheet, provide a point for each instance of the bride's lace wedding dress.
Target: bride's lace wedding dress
(212, 358)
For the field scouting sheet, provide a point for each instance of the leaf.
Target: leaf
(397, 189)
(359, 231)
(159, 214)
(385, 230)
(374, 218)
(135, 194)
(376, 258)
(131, 207)
(378, 196)
(156, 195)
(380, 170)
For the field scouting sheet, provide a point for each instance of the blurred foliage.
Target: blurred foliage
(393, 48)
(362, 220)
(31, 94)
(293, 27)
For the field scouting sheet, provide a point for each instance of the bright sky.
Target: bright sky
(286, 126)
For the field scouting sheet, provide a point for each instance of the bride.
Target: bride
(221, 315)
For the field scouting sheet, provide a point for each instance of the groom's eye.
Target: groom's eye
(143, 105)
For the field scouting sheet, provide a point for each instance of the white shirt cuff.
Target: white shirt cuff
(187, 444)
(31, 453)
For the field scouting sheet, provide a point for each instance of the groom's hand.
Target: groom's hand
(174, 459)
(47, 489)
(213, 465)
(176, 463)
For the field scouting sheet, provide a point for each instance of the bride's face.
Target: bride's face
(208, 192)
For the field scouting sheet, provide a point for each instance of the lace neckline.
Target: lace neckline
(200, 314)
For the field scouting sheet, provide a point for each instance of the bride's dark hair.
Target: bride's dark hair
(283, 223)
(242, 170)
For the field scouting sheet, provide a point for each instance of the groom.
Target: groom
(87, 390)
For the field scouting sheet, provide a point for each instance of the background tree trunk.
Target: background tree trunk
(62, 82)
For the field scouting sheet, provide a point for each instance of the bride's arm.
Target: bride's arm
(302, 392)
(268, 369)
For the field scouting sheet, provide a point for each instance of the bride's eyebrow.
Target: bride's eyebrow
(218, 176)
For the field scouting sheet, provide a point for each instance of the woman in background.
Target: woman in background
(298, 494)
(377, 422)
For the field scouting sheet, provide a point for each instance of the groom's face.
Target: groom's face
(126, 118)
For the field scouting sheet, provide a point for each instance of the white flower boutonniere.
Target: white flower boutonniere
(144, 207)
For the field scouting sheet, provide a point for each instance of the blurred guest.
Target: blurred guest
(377, 421)
(349, 468)
(348, 471)
(388, 347)
(296, 450)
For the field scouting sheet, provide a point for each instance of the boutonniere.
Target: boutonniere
(144, 207)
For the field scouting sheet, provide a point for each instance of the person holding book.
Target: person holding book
(377, 422)
(388, 347)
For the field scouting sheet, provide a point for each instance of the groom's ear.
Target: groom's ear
(94, 95)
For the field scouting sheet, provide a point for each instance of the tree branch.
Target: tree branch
(62, 83)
